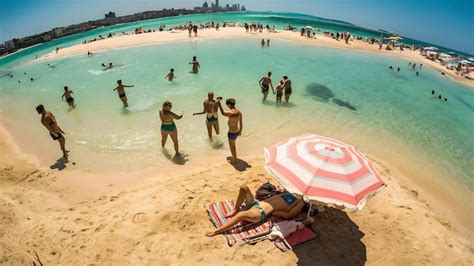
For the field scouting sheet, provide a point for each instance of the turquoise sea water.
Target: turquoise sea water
(352, 96)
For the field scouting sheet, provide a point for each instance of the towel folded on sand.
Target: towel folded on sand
(297, 238)
(241, 233)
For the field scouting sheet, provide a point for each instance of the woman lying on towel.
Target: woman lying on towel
(283, 205)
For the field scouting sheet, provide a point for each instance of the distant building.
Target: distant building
(243, 8)
(11, 44)
(58, 32)
(110, 15)
(205, 5)
(217, 3)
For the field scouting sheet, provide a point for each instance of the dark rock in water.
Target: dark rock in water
(344, 104)
(319, 91)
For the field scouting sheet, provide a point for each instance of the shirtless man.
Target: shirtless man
(121, 92)
(49, 122)
(211, 107)
(170, 75)
(235, 125)
(196, 65)
(167, 125)
(288, 89)
(67, 94)
(265, 84)
(282, 205)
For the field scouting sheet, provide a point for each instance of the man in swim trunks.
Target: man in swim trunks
(211, 107)
(170, 75)
(282, 205)
(235, 125)
(67, 94)
(167, 125)
(49, 122)
(265, 84)
(196, 65)
(195, 30)
(287, 86)
(121, 92)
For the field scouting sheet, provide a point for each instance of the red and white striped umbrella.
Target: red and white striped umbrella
(324, 170)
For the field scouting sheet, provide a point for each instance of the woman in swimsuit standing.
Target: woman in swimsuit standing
(167, 125)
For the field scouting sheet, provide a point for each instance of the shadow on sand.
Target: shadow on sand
(60, 164)
(239, 165)
(217, 144)
(338, 241)
(179, 159)
(283, 104)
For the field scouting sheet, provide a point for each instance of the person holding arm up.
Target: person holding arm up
(121, 92)
(235, 125)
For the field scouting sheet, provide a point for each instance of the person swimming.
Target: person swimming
(283, 205)
(168, 126)
(67, 94)
(196, 65)
(235, 124)
(121, 92)
(265, 83)
(170, 76)
(390, 67)
(110, 66)
(210, 108)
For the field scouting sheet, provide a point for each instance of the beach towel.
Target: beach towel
(297, 238)
(241, 233)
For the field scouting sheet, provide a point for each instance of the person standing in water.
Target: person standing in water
(211, 107)
(121, 92)
(263, 43)
(288, 89)
(190, 28)
(167, 125)
(170, 75)
(265, 83)
(279, 92)
(196, 65)
(67, 94)
(195, 30)
(235, 125)
(49, 122)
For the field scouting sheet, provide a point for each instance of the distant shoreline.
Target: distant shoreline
(130, 40)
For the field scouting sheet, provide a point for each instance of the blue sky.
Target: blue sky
(446, 23)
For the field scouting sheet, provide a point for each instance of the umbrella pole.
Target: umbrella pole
(309, 210)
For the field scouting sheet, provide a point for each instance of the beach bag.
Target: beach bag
(265, 191)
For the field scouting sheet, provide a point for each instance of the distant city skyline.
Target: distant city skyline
(445, 23)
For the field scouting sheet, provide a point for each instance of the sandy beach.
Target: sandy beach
(130, 40)
(157, 216)
(161, 220)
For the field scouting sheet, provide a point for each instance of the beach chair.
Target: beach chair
(243, 232)
(297, 238)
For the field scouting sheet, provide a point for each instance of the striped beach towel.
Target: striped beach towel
(243, 232)
(297, 238)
